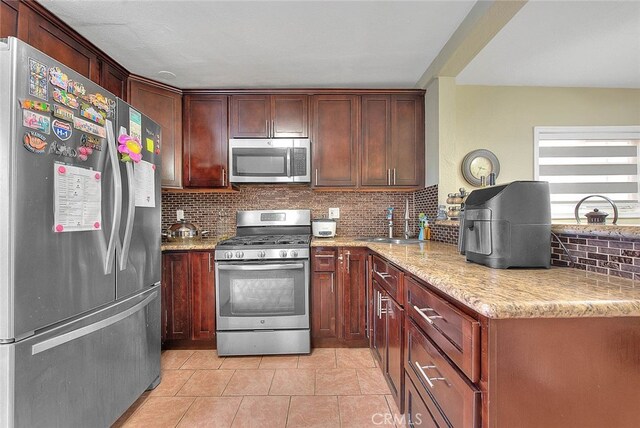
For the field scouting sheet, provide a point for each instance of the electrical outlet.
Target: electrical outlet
(179, 215)
(334, 212)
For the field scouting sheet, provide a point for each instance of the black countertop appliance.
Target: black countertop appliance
(508, 225)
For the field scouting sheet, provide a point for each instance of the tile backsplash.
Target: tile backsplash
(607, 255)
(361, 213)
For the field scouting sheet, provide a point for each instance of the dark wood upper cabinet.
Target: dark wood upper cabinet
(205, 141)
(49, 38)
(392, 140)
(407, 140)
(250, 116)
(335, 140)
(8, 18)
(269, 116)
(290, 116)
(164, 106)
(376, 135)
(113, 79)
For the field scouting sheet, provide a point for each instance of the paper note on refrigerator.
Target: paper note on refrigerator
(135, 125)
(77, 199)
(144, 178)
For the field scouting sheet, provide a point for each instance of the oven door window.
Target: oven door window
(263, 162)
(261, 291)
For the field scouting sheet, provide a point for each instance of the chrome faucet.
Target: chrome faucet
(390, 220)
(406, 219)
(613, 204)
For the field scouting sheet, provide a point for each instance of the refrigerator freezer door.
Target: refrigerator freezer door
(85, 373)
(139, 256)
(48, 274)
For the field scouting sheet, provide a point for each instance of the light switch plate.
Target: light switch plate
(179, 215)
(334, 212)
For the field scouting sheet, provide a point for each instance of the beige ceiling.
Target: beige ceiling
(242, 44)
(365, 44)
(563, 43)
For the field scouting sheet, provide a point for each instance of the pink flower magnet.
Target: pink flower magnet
(130, 148)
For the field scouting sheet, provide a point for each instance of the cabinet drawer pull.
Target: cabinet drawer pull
(382, 274)
(324, 256)
(427, 318)
(424, 375)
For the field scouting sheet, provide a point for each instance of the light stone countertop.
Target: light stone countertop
(494, 293)
(509, 293)
(191, 245)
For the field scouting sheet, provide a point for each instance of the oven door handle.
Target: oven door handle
(261, 267)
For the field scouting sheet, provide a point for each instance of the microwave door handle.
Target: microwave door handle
(288, 162)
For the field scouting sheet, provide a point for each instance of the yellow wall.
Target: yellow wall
(501, 119)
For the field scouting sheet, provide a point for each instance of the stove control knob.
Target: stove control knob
(261, 254)
(239, 254)
(283, 253)
(228, 255)
(293, 253)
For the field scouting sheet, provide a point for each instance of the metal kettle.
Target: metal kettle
(183, 230)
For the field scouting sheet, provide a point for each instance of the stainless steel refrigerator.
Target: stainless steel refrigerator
(80, 249)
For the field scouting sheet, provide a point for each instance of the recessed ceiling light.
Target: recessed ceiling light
(166, 75)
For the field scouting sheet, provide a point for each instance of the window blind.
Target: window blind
(582, 161)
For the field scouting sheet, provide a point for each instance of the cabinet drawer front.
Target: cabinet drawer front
(456, 333)
(323, 260)
(389, 277)
(458, 398)
(420, 410)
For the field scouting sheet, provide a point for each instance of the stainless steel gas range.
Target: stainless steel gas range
(262, 284)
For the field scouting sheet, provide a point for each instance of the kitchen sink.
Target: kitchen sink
(384, 240)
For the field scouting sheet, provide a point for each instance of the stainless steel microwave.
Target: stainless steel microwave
(283, 160)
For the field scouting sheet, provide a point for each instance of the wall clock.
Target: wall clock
(479, 163)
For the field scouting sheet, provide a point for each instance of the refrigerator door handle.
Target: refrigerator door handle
(117, 203)
(45, 345)
(126, 244)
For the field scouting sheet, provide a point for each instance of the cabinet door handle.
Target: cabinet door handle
(266, 128)
(394, 176)
(424, 375)
(224, 177)
(273, 128)
(379, 304)
(429, 319)
(316, 176)
(388, 177)
(209, 262)
(347, 254)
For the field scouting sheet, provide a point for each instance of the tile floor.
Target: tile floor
(328, 388)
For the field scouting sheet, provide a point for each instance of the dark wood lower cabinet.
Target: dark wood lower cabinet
(175, 296)
(188, 298)
(353, 274)
(203, 298)
(338, 306)
(325, 305)
(386, 341)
